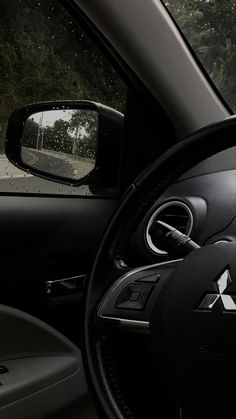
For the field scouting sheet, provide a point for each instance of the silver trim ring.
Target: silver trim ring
(167, 204)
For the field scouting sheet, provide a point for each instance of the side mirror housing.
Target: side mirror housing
(70, 142)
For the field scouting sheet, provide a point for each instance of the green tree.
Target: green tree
(210, 28)
(84, 126)
(57, 137)
(31, 132)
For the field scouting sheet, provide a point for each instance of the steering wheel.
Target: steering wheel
(184, 305)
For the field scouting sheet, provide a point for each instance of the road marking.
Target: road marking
(34, 159)
(14, 176)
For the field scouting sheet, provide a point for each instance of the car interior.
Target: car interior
(118, 192)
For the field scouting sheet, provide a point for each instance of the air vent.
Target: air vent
(175, 213)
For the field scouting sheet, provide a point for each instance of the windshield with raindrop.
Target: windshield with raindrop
(210, 28)
(46, 55)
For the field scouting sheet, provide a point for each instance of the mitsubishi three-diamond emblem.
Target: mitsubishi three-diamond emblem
(228, 301)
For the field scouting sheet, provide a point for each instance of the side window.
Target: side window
(46, 55)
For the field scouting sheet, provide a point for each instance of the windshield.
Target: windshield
(210, 28)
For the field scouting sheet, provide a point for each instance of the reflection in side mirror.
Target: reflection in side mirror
(61, 142)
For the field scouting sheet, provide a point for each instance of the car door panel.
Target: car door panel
(53, 224)
(48, 239)
(41, 371)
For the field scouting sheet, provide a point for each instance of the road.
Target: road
(57, 163)
(47, 162)
(15, 180)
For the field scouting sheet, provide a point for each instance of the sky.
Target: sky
(49, 117)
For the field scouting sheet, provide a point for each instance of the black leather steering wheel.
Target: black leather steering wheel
(183, 305)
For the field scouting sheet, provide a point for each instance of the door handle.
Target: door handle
(64, 286)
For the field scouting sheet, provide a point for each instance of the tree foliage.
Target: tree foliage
(57, 137)
(77, 135)
(210, 28)
(84, 126)
(30, 135)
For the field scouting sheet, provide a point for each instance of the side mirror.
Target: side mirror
(72, 142)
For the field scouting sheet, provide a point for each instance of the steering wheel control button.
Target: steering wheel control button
(134, 297)
(3, 369)
(150, 278)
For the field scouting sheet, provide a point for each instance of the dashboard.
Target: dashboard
(200, 204)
